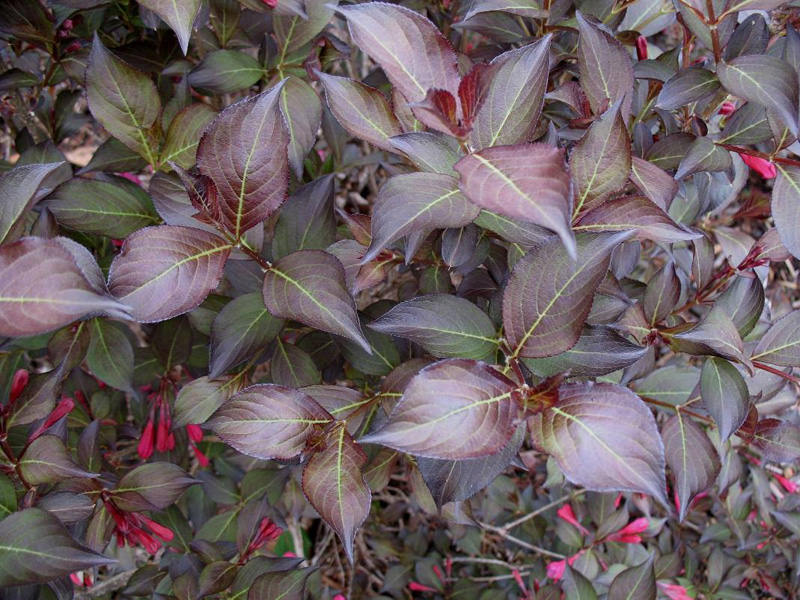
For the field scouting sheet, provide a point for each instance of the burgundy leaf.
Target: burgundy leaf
(283, 585)
(47, 460)
(20, 188)
(334, 484)
(528, 182)
(245, 152)
(604, 438)
(725, 395)
(309, 286)
(778, 441)
(268, 421)
(781, 344)
(549, 295)
(785, 201)
(431, 152)
(453, 409)
(178, 15)
(152, 486)
(658, 185)
(662, 294)
(165, 271)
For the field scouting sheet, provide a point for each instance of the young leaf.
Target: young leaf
(334, 484)
(606, 71)
(510, 112)
(114, 208)
(412, 52)
(785, 200)
(37, 548)
(309, 287)
(549, 295)
(244, 151)
(446, 326)
(306, 220)
(125, 101)
(781, 344)
(528, 182)
(604, 438)
(692, 458)
(20, 188)
(268, 421)
(43, 287)
(179, 16)
(416, 202)
(241, 328)
(47, 460)
(601, 162)
(152, 486)
(453, 409)
(162, 272)
(361, 110)
(764, 80)
(110, 354)
(638, 213)
(725, 395)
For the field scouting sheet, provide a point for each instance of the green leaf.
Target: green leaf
(725, 395)
(201, 397)
(125, 101)
(306, 221)
(152, 486)
(110, 354)
(20, 189)
(292, 367)
(635, 583)
(226, 71)
(8, 497)
(293, 32)
(302, 109)
(35, 548)
(183, 135)
(281, 585)
(47, 460)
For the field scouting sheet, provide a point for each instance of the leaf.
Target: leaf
(601, 161)
(124, 101)
(606, 71)
(412, 52)
(37, 548)
(226, 71)
(445, 325)
(528, 182)
(362, 110)
(668, 152)
(778, 441)
(687, 86)
(183, 135)
(179, 16)
(306, 220)
(785, 200)
(110, 354)
(43, 287)
(242, 328)
(114, 157)
(635, 583)
(292, 367)
(743, 302)
(334, 484)
(8, 497)
(577, 586)
(283, 585)
(152, 486)
(512, 230)
(430, 151)
(599, 351)
(662, 294)
(47, 460)
(416, 202)
(458, 480)
(692, 458)
(513, 103)
(764, 80)
(604, 438)
(654, 183)
(303, 120)
(309, 287)
(703, 155)
(639, 214)
(454, 409)
(162, 272)
(27, 20)
(549, 295)
(115, 208)
(293, 32)
(781, 344)
(725, 395)
(268, 421)
(714, 335)
(201, 397)
(523, 8)
(244, 151)
(20, 189)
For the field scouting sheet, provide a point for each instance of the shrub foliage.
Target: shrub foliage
(475, 299)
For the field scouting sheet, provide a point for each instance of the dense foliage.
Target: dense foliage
(475, 300)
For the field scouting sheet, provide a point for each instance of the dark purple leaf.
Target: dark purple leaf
(430, 151)
(283, 585)
(306, 220)
(658, 185)
(528, 182)
(292, 367)
(20, 189)
(268, 421)
(743, 302)
(781, 344)
(152, 486)
(703, 156)
(334, 484)
(184, 133)
(309, 287)
(604, 438)
(785, 201)
(302, 109)
(110, 354)
(725, 395)
(687, 86)
(778, 441)
(201, 397)
(714, 335)
(47, 460)
(549, 295)
(636, 583)
(165, 271)
(178, 15)
(662, 294)
(453, 409)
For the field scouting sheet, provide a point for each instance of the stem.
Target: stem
(540, 510)
(712, 25)
(776, 159)
(676, 408)
(778, 372)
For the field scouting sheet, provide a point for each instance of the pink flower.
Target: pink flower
(629, 533)
(146, 443)
(641, 47)
(62, 409)
(675, 592)
(727, 109)
(18, 384)
(568, 514)
(194, 432)
(761, 166)
(789, 485)
(418, 587)
(131, 177)
(339, 597)
(555, 570)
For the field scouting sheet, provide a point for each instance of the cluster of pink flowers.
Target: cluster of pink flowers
(134, 529)
(267, 531)
(160, 437)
